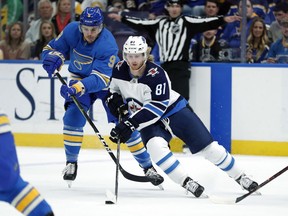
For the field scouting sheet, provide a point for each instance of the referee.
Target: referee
(173, 33)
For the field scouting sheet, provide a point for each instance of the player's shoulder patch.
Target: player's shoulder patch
(152, 72)
(119, 64)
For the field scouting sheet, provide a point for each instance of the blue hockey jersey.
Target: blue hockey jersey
(96, 59)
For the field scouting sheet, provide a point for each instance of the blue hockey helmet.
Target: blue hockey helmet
(91, 16)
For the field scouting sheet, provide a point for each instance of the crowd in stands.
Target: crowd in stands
(266, 28)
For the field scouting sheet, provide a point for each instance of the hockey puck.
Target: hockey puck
(109, 202)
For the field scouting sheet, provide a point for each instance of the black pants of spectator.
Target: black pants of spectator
(179, 73)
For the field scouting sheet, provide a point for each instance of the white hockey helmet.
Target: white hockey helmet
(135, 45)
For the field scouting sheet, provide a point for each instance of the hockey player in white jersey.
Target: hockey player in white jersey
(158, 112)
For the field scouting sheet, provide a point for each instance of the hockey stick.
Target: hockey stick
(126, 174)
(117, 163)
(240, 198)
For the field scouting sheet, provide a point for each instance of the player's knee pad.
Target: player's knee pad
(218, 155)
(214, 152)
(164, 158)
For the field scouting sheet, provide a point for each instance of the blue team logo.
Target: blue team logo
(152, 72)
(81, 59)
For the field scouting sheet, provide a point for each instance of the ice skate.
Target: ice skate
(192, 186)
(154, 177)
(246, 183)
(70, 172)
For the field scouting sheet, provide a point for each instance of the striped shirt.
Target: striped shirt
(174, 35)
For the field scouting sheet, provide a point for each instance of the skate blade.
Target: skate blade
(69, 183)
(160, 187)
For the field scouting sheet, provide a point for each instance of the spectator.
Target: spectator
(232, 31)
(45, 10)
(208, 47)
(47, 33)
(102, 4)
(173, 34)
(63, 15)
(14, 46)
(1, 55)
(270, 11)
(194, 7)
(259, 8)
(211, 8)
(278, 52)
(258, 42)
(280, 11)
(117, 6)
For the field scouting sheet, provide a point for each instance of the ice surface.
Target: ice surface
(96, 174)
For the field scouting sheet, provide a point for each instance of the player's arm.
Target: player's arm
(157, 101)
(54, 52)
(201, 24)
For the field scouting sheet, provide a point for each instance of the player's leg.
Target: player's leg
(20, 194)
(187, 126)
(141, 155)
(135, 146)
(74, 123)
(156, 139)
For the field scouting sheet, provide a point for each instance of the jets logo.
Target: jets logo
(118, 65)
(133, 105)
(152, 72)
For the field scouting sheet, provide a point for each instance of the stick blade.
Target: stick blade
(110, 198)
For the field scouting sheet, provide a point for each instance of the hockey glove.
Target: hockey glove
(116, 105)
(52, 61)
(75, 88)
(123, 131)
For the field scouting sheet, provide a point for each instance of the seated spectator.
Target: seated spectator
(102, 4)
(1, 55)
(117, 6)
(208, 48)
(257, 41)
(278, 52)
(280, 11)
(232, 31)
(194, 7)
(211, 8)
(63, 15)
(270, 11)
(14, 46)
(259, 8)
(45, 11)
(47, 32)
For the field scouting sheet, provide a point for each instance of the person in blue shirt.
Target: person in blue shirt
(159, 112)
(13, 188)
(93, 53)
(278, 52)
(232, 31)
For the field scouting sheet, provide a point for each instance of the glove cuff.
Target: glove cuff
(80, 88)
(133, 122)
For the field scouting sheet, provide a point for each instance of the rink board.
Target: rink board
(244, 106)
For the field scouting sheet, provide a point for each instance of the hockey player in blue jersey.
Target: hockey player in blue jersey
(158, 112)
(13, 189)
(93, 52)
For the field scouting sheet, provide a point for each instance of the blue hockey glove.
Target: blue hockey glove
(75, 88)
(116, 105)
(52, 61)
(123, 131)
